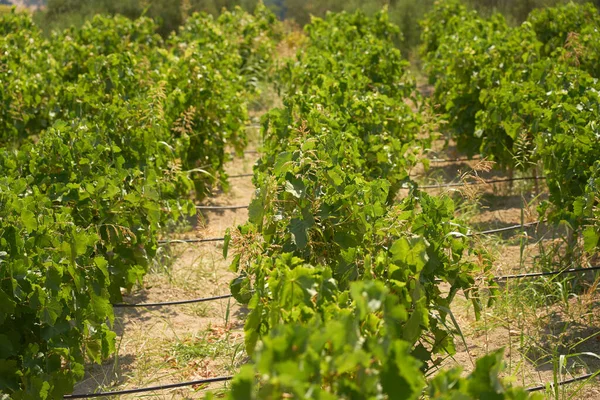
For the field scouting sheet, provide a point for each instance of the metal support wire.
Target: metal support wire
(505, 229)
(172, 303)
(221, 239)
(234, 154)
(548, 273)
(227, 296)
(419, 187)
(149, 388)
(444, 185)
(228, 378)
(433, 160)
(526, 178)
(240, 176)
(444, 160)
(565, 382)
(195, 240)
(221, 207)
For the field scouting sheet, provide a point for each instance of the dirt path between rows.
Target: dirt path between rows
(160, 345)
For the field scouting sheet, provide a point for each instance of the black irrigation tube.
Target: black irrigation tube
(227, 296)
(548, 273)
(565, 382)
(233, 153)
(149, 388)
(221, 239)
(172, 303)
(526, 178)
(420, 187)
(221, 207)
(448, 160)
(505, 229)
(538, 274)
(240, 176)
(228, 378)
(195, 240)
(433, 160)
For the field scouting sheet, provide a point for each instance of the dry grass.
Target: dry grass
(549, 327)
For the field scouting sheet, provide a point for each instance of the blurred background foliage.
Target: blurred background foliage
(59, 14)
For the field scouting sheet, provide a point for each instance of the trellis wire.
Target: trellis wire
(220, 207)
(565, 382)
(240, 175)
(228, 378)
(226, 296)
(433, 160)
(547, 273)
(149, 388)
(173, 303)
(444, 185)
(505, 229)
(526, 178)
(221, 239)
(194, 240)
(234, 154)
(443, 160)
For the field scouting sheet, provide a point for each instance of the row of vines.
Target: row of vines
(527, 97)
(107, 135)
(342, 280)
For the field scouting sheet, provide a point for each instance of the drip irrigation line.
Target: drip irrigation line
(547, 273)
(538, 274)
(526, 178)
(443, 160)
(149, 388)
(195, 240)
(233, 153)
(565, 382)
(221, 239)
(227, 296)
(508, 228)
(240, 176)
(505, 229)
(172, 303)
(220, 207)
